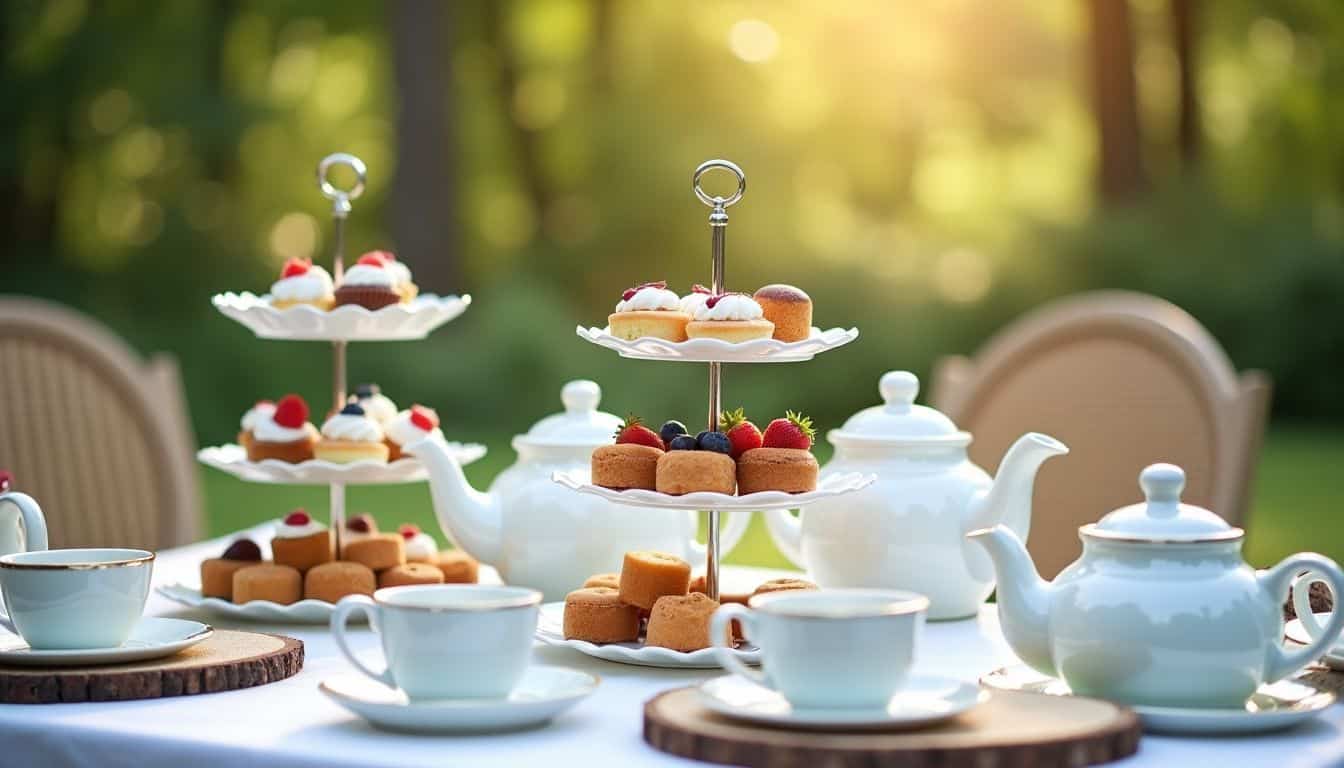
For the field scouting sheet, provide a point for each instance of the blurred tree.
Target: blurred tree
(1121, 174)
(1184, 34)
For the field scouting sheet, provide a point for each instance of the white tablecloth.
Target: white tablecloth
(291, 724)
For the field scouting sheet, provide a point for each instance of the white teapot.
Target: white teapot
(538, 533)
(906, 530)
(1160, 609)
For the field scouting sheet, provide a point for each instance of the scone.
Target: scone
(301, 542)
(776, 469)
(647, 576)
(458, 567)
(286, 435)
(624, 466)
(649, 309)
(368, 284)
(730, 317)
(377, 551)
(334, 580)
(789, 308)
(410, 573)
(682, 472)
(217, 572)
(681, 622)
(351, 436)
(302, 283)
(597, 615)
(275, 583)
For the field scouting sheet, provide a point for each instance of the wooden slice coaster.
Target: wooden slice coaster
(1018, 729)
(227, 661)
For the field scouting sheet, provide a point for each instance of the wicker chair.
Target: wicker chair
(1124, 380)
(98, 437)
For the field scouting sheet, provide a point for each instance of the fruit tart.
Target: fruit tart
(302, 283)
(368, 284)
(411, 426)
(632, 461)
(784, 462)
(286, 436)
(731, 317)
(700, 463)
(351, 436)
(649, 309)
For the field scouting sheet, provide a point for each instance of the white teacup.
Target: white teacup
(830, 648)
(447, 641)
(1302, 607)
(66, 599)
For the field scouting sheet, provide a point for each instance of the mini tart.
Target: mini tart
(368, 284)
(658, 323)
(625, 465)
(351, 436)
(789, 308)
(337, 579)
(597, 615)
(292, 452)
(276, 583)
(458, 567)
(682, 472)
(347, 451)
(732, 331)
(410, 573)
(791, 470)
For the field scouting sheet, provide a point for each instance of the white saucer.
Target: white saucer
(543, 693)
(1334, 658)
(1273, 707)
(550, 630)
(923, 701)
(153, 638)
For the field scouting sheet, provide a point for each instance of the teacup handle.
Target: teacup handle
(34, 524)
(1276, 582)
(721, 635)
(339, 618)
(1302, 603)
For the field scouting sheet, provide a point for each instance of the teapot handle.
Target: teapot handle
(1276, 582)
(730, 537)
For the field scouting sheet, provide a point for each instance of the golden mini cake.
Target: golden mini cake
(647, 576)
(681, 622)
(649, 309)
(610, 580)
(410, 573)
(596, 614)
(302, 283)
(783, 585)
(351, 436)
(286, 435)
(334, 580)
(301, 542)
(267, 581)
(698, 585)
(789, 308)
(682, 472)
(730, 317)
(458, 567)
(626, 465)
(410, 426)
(379, 551)
(263, 409)
(217, 572)
(368, 284)
(790, 470)
(419, 546)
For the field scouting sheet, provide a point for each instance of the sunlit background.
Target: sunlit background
(926, 170)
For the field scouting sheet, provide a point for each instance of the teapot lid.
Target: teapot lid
(899, 419)
(580, 425)
(1162, 516)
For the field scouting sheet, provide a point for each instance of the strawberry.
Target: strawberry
(386, 256)
(424, 418)
(712, 300)
(298, 517)
(742, 434)
(408, 531)
(634, 432)
(6, 480)
(698, 288)
(296, 267)
(372, 259)
(793, 431)
(361, 523)
(629, 292)
(291, 412)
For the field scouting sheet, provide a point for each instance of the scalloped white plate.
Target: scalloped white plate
(400, 322)
(717, 351)
(302, 612)
(550, 630)
(831, 485)
(232, 458)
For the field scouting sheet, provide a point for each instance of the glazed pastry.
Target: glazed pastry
(458, 567)
(731, 317)
(418, 545)
(681, 622)
(376, 405)
(401, 276)
(264, 409)
(682, 472)
(368, 284)
(301, 542)
(351, 436)
(410, 426)
(788, 308)
(693, 301)
(302, 283)
(649, 310)
(332, 581)
(609, 580)
(378, 551)
(783, 585)
(276, 583)
(785, 462)
(597, 615)
(217, 572)
(647, 576)
(286, 436)
(410, 573)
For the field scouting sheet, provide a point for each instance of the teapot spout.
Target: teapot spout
(1008, 501)
(470, 517)
(1023, 597)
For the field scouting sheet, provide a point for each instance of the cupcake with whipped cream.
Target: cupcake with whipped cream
(731, 317)
(301, 542)
(302, 283)
(420, 546)
(378, 406)
(368, 284)
(401, 276)
(351, 436)
(263, 409)
(284, 435)
(693, 301)
(411, 426)
(649, 309)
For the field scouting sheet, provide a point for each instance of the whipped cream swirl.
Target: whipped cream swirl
(421, 548)
(355, 428)
(267, 431)
(260, 412)
(733, 306)
(310, 286)
(284, 530)
(367, 274)
(402, 431)
(648, 299)
(692, 302)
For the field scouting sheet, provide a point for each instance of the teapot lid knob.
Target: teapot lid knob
(898, 388)
(1162, 485)
(581, 395)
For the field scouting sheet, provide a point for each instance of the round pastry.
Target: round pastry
(301, 542)
(681, 472)
(276, 583)
(681, 622)
(411, 426)
(647, 576)
(625, 465)
(731, 317)
(332, 581)
(286, 435)
(788, 308)
(783, 585)
(264, 409)
(458, 567)
(609, 580)
(649, 309)
(791, 470)
(302, 283)
(410, 573)
(217, 572)
(419, 546)
(401, 276)
(351, 436)
(368, 284)
(377, 551)
(376, 405)
(597, 615)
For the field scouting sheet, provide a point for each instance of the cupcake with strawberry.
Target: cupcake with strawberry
(302, 283)
(411, 426)
(779, 459)
(401, 276)
(631, 462)
(368, 284)
(285, 435)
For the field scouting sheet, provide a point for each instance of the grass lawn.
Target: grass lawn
(1298, 495)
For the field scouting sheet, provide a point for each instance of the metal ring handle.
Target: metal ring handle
(715, 201)
(341, 198)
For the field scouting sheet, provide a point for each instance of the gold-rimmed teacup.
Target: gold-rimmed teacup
(68, 599)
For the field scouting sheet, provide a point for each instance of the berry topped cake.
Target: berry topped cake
(419, 546)
(700, 463)
(286, 435)
(351, 436)
(693, 301)
(401, 275)
(784, 462)
(732, 317)
(368, 284)
(264, 409)
(378, 406)
(302, 282)
(411, 426)
(649, 309)
(301, 542)
(632, 462)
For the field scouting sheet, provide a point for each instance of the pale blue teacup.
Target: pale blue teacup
(75, 599)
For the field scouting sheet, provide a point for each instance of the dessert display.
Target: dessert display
(681, 622)
(268, 581)
(376, 405)
(410, 426)
(285, 435)
(301, 542)
(700, 463)
(730, 317)
(784, 462)
(649, 309)
(597, 615)
(368, 284)
(410, 573)
(419, 546)
(647, 576)
(351, 436)
(263, 409)
(632, 462)
(406, 289)
(302, 283)
(378, 551)
(458, 567)
(217, 572)
(336, 579)
(788, 308)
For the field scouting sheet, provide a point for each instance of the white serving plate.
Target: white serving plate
(832, 485)
(1297, 634)
(400, 322)
(302, 612)
(717, 351)
(154, 637)
(924, 700)
(232, 458)
(550, 630)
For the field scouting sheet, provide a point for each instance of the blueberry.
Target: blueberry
(681, 443)
(670, 430)
(353, 409)
(714, 441)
